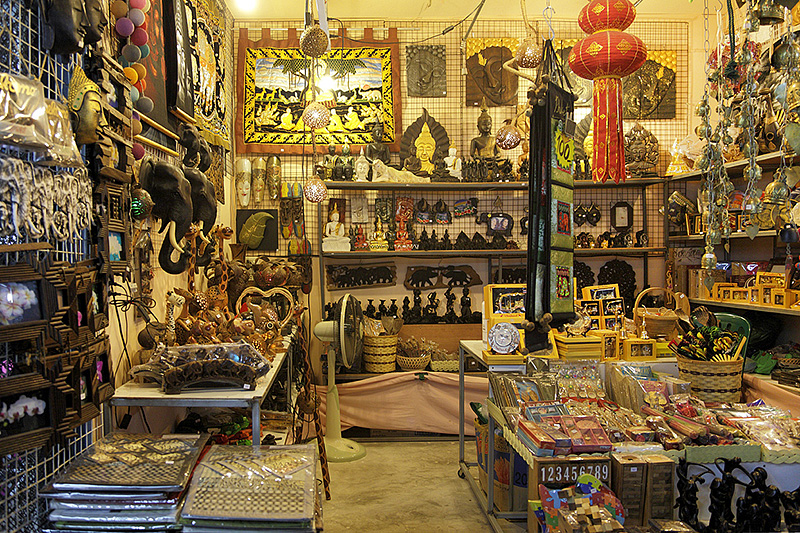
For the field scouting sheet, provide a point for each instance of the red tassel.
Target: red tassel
(608, 159)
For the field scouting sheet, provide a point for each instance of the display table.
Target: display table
(150, 394)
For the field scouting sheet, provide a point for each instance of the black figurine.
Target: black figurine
(415, 313)
(463, 242)
(406, 309)
(466, 306)
(424, 240)
(791, 504)
(446, 244)
(429, 314)
(393, 308)
(370, 312)
(434, 241)
(382, 310)
(450, 316)
(686, 502)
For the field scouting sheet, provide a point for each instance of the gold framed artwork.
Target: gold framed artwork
(272, 94)
(601, 292)
(777, 279)
(487, 80)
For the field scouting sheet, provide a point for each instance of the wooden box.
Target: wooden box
(628, 478)
(740, 295)
(635, 349)
(765, 293)
(659, 493)
(716, 291)
(609, 348)
(783, 298)
(563, 470)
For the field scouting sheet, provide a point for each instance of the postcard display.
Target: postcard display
(550, 249)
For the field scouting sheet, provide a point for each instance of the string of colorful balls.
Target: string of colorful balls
(132, 26)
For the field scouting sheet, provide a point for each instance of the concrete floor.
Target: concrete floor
(404, 486)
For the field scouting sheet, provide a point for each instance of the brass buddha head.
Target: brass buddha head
(85, 108)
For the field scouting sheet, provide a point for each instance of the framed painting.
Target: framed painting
(27, 414)
(486, 78)
(272, 94)
(177, 59)
(209, 47)
(24, 304)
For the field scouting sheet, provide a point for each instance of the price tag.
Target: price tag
(564, 146)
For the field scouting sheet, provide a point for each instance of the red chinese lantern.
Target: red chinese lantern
(606, 56)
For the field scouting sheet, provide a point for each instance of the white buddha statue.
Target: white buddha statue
(335, 239)
(362, 167)
(453, 163)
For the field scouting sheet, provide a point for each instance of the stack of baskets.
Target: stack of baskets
(380, 353)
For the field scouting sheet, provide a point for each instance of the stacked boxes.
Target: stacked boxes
(659, 499)
(628, 479)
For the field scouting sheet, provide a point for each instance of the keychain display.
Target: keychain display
(466, 207)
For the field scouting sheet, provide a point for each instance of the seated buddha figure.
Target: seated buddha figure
(483, 146)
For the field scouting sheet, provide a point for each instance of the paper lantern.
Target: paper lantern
(139, 37)
(124, 26)
(316, 116)
(141, 72)
(119, 9)
(136, 4)
(144, 104)
(529, 53)
(606, 56)
(315, 190)
(136, 16)
(131, 74)
(138, 151)
(131, 53)
(314, 41)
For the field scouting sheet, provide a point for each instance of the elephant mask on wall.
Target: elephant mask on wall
(182, 196)
(172, 194)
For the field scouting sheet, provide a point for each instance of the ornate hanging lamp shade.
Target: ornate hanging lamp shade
(606, 55)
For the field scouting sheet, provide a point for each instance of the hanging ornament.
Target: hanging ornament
(315, 190)
(508, 136)
(606, 56)
(141, 204)
(316, 115)
(314, 41)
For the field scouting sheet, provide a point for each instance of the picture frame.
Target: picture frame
(26, 315)
(754, 295)
(601, 292)
(622, 216)
(594, 323)
(740, 295)
(609, 323)
(777, 279)
(613, 306)
(35, 431)
(726, 294)
(591, 307)
(114, 233)
(64, 374)
(766, 293)
(716, 291)
(778, 297)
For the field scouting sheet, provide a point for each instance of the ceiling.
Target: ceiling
(448, 9)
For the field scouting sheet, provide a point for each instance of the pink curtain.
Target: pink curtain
(401, 401)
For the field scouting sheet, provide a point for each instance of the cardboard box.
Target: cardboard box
(562, 471)
(517, 474)
(659, 491)
(628, 479)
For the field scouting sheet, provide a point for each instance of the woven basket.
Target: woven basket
(657, 325)
(380, 341)
(444, 366)
(413, 363)
(713, 381)
(379, 368)
(380, 359)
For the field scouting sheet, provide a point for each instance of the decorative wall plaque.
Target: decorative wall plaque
(486, 77)
(426, 70)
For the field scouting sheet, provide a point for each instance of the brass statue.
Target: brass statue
(641, 152)
(483, 146)
(86, 108)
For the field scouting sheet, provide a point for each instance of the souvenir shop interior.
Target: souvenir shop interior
(399, 266)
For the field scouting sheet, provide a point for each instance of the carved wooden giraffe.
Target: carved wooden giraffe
(173, 299)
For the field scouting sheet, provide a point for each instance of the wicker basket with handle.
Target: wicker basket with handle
(658, 322)
(713, 381)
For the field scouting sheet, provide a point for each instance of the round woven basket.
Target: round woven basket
(658, 323)
(413, 363)
(713, 381)
(380, 341)
(379, 368)
(381, 359)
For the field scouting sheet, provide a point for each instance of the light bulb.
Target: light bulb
(326, 83)
(316, 116)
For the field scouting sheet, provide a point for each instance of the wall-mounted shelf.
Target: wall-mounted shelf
(433, 186)
(631, 252)
(425, 253)
(631, 182)
(747, 307)
(737, 235)
(767, 162)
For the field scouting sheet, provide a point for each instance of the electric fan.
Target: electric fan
(345, 335)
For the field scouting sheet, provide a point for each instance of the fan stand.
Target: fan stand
(339, 450)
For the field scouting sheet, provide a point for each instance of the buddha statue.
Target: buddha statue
(483, 146)
(453, 163)
(85, 108)
(378, 242)
(336, 239)
(376, 150)
(347, 162)
(425, 147)
(362, 168)
(360, 243)
(65, 26)
(329, 161)
(402, 242)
